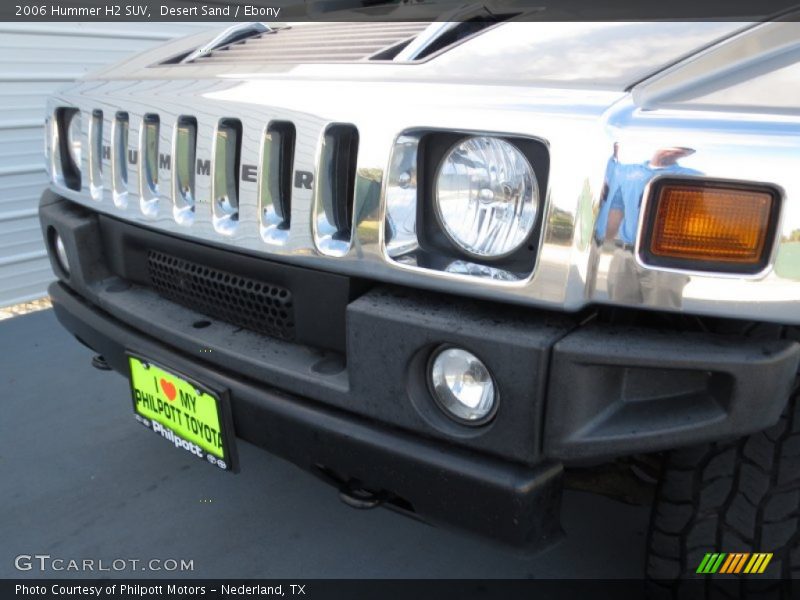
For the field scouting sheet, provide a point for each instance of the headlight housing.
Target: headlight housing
(486, 196)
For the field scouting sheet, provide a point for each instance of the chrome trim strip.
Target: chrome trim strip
(120, 174)
(401, 196)
(95, 157)
(166, 162)
(53, 152)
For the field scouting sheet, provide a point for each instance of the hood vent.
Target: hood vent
(441, 35)
(315, 43)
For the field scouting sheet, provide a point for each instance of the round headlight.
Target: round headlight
(463, 386)
(74, 138)
(486, 196)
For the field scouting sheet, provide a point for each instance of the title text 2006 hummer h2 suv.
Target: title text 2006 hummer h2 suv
(446, 265)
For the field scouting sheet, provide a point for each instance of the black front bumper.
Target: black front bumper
(356, 408)
(495, 498)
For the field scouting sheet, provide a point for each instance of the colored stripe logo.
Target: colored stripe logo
(734, 563)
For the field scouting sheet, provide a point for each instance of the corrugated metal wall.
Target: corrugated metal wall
(39, 58)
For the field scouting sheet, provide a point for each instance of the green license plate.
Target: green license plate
(189, 415)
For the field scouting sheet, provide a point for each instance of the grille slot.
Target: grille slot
(70, 172)
(334, 190)
(338, 178)
(227, 162)
(248, 303)
(183, 176)
(277, 167)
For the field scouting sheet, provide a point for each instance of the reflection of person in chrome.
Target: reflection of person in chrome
(618, 222)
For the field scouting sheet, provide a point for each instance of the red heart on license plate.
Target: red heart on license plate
(169, 389)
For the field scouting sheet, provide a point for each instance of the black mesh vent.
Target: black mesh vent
(241, 301)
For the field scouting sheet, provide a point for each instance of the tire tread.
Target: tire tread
(741, 495)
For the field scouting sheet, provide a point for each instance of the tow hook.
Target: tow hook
(355, 496)
(99, 362)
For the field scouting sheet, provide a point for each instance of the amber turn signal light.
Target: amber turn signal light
(710, 226)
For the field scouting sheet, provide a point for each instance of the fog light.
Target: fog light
(61, 253)
(463, 386)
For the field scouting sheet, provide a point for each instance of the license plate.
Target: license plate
(190, 415)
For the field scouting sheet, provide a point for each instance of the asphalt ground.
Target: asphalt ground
(80, 479)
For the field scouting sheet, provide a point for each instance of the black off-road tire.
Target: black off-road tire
(739, 496)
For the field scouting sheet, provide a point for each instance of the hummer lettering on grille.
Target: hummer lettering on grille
(203, 167)
(303, 179)
(250, 173)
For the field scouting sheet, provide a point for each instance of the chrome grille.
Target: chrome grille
(315, 42)
(176, 173)
(385, 111)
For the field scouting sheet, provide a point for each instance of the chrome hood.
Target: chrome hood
(602, 56)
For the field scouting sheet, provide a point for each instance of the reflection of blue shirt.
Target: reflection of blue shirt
(625, 194)
(610, 181)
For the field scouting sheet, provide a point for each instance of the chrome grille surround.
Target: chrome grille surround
(579, 127)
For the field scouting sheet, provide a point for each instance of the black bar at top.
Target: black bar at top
(395, 10)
